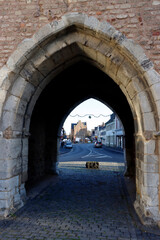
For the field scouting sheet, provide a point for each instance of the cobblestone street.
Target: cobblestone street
(56, 56)
(84, 204)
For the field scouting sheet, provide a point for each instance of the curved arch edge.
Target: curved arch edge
(133, 52)
(79, 20)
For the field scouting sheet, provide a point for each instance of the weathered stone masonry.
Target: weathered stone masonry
(137, 19)
(54, 47)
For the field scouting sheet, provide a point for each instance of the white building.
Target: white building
(111, 133)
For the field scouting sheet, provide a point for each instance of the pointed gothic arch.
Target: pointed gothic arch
(37, 61)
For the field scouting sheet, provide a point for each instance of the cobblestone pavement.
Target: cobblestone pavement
(84, 204)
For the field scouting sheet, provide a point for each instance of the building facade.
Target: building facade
(78, 131)
(111, 133)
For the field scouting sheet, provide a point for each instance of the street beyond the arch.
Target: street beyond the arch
(81, 203)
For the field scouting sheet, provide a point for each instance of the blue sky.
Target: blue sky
(90, 106)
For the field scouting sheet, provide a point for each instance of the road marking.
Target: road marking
(109, 164)
(88, 155)
(104, 156)
(94, 154)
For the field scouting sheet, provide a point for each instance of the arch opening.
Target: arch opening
(52, 106)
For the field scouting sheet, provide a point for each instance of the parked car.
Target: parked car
(68, 144)
(98, 144)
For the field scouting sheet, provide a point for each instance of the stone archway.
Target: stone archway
(38, 60)
(76, 84)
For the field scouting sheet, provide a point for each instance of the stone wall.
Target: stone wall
(137, 19)
(54, 47)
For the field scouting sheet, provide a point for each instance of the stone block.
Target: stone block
(10, 168)
(115, 59)
(78, 37)
(10, 148)
(90, 53)
(149, 147)
(91, 23)
(38, 58)
(105, 49)
(28, 91)
(44, 32)
(155, 88)
(155, 3)
(91, 42)
(151, 180)
(67, 53)
(58, 58)
(74, 18)
(51, 48)
(138, 113)
(139, 144)
(13, 120)
(10, 184)
(46, 67)
(130, 101)
(59, 25)
(7, 203)
(25, 147)
(118, 37)
(106, 30)
(48, 31)
(18, 123)
(138, 83)
(11, 103)
(152, 77)
(5, 195)
(149, 168)
(149, 121)
(4, 75)
(31, 74)
(151, 159)
(18, 57)
(17, 198)
(31, 105)
(22, 190)
(148, 215)
(77, 49)
(101, 59)
(154, 212)
(131, 90)
(158, 109)
(18, 87)
(1, 103)
(126, 72)
(4, 212)
(122, 16)
(21, 110)
(2, 95)
(136, 53)
(144, 102)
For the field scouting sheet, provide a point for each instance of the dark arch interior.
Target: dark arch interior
(72, 86)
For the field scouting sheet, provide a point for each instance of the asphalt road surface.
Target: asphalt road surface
(80, 203)
(82, 153)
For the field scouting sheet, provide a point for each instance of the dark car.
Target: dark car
(98, 144)
(68, 144)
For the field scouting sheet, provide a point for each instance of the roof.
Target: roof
(72, 125)
(111, 119)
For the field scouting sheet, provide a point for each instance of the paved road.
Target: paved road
(88, 152)
(81, 153)
(83, 204)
